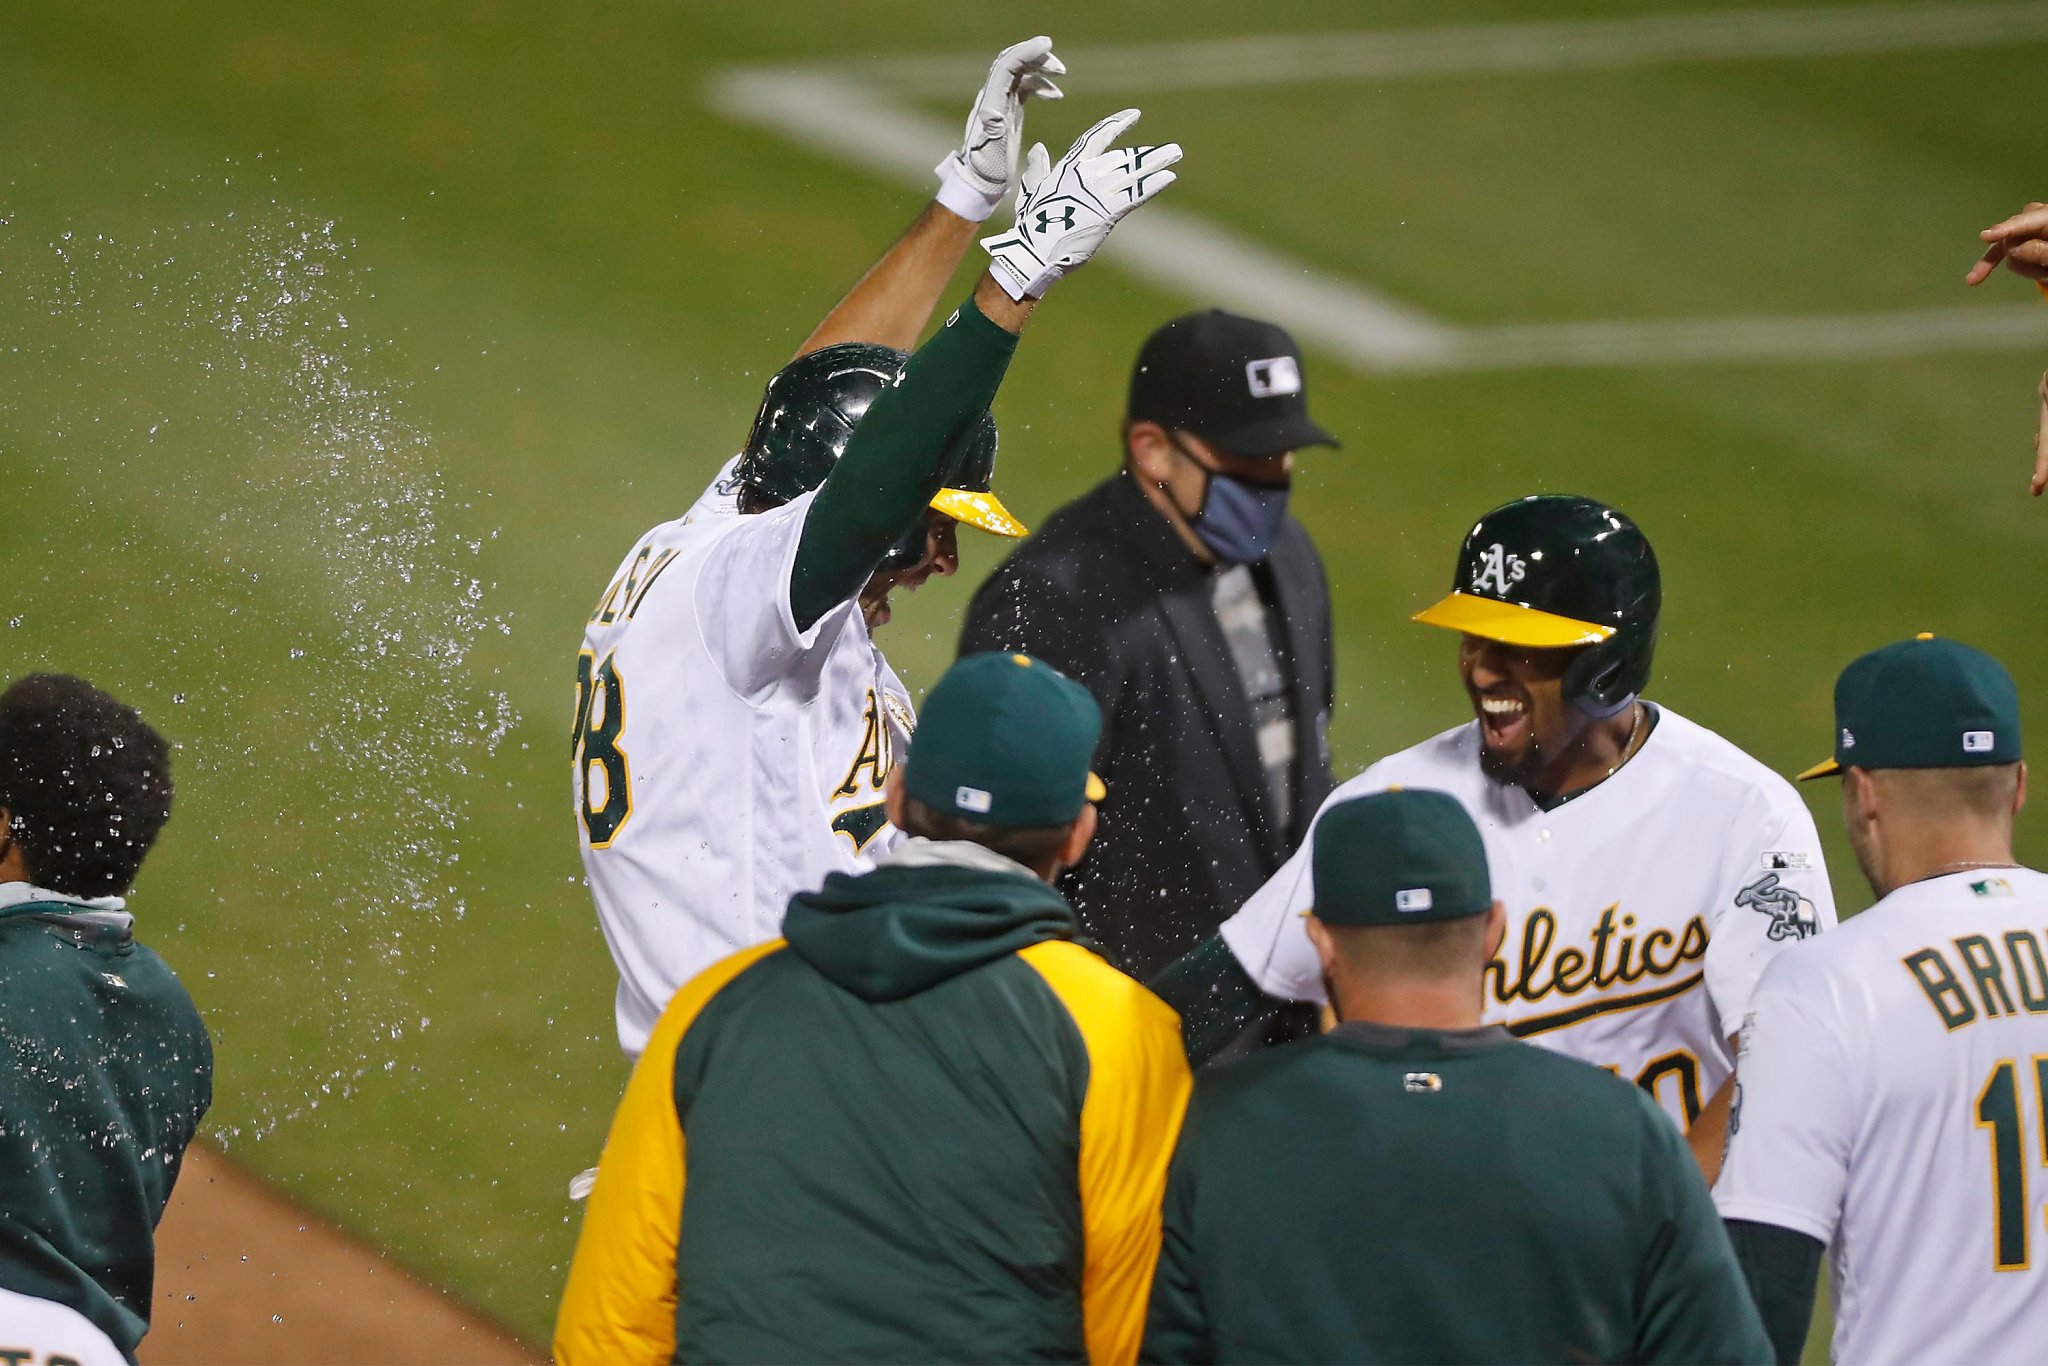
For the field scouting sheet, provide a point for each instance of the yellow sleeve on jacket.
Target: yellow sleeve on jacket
(1137, 1091)
(619, 1307)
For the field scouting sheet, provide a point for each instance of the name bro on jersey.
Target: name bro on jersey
(1944, 985)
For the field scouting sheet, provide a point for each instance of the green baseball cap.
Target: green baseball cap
(1399, 857)
(1005, 739)
(1923, 703)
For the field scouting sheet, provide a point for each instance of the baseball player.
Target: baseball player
(1649, 867)
(1894, 1074)
(1415, 1186)
(735, 721)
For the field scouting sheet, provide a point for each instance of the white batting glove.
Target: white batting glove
(1065, 211)
(973, 180)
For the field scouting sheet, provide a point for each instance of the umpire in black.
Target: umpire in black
(1414, 1186)
(1181, 593)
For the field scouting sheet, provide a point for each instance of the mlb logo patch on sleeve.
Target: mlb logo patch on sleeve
(1273, 376)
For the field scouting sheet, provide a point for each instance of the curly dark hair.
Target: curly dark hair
(85, 782)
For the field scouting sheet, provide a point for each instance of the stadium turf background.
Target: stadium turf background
(575, 278)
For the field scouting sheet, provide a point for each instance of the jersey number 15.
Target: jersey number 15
(1998, 1109)
(603, 787)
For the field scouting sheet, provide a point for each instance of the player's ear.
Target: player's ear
(892, 796)
(1326, 947)
(2019, 792)
(1078, 836)
(1151, 454)
(1496, 928)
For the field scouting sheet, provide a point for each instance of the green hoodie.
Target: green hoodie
(900, 930)
(909, 1133)
(107, 1072)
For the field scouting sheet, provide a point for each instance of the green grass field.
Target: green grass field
(564, 280)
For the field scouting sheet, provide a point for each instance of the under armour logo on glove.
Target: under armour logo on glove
(1066, 209)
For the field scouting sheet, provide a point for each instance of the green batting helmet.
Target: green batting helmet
(808, 414)
(1555, 571)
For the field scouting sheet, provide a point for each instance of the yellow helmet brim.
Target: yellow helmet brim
(982, 511)
(1510, 622)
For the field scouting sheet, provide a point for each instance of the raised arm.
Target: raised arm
(895, 458)
(2021, 244)
(893, 301)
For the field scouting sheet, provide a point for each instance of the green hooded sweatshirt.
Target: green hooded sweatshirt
(107, 1071)
(907, 1133)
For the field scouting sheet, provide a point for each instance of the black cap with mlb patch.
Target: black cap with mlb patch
(1235, 382)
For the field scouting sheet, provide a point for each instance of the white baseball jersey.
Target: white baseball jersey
(1893, 1097)
(37, 1332)
(724, 760)
(1640, 912)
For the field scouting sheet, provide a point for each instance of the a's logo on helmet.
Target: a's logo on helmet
(1496, 571)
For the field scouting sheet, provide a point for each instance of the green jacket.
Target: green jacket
(1382, 1194)
(926, 1126)
(107, 1072)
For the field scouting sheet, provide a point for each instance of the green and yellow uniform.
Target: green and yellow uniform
(924, 1125)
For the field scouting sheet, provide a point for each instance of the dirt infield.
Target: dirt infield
(244, 1278)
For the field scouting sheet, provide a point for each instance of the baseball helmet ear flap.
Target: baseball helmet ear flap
(808, 412)
(1603, 679)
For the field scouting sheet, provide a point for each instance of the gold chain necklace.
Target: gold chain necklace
(1628, 748)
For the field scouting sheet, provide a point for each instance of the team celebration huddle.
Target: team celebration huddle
(1537, 1041)
(1083, 1010)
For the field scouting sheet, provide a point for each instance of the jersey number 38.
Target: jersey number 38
(602, 784)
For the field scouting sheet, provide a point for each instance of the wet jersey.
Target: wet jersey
(1640, 912)
(724, 760)
(1894, 1088)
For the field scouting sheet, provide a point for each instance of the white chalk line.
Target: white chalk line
(860, 115)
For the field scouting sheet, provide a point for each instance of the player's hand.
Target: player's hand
(1065, 210)
(2020, 242)
(973, 180)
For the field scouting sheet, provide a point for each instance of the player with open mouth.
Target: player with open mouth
(1649, 867)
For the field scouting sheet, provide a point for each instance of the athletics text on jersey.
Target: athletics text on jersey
(723, 760)
(1640, 912)
(1892, 1104)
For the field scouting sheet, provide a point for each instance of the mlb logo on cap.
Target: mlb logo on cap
(1412, 899)
(972, 799)
(1978, 742)
(1273, 376)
